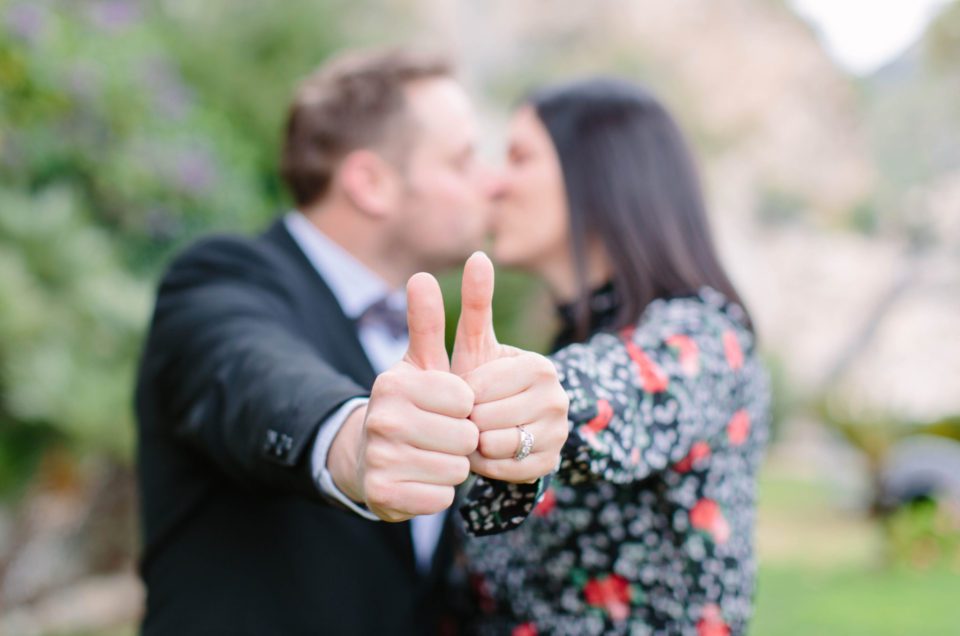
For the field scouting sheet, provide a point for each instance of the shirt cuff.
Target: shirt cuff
(321, 448)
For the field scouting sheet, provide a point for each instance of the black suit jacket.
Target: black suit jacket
(248, 353)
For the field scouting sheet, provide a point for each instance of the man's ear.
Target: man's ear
(372, 184)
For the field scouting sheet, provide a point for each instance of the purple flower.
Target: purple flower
(195, 170)
(27, 20)
(112, 15)
(171, 97)
(84, 80)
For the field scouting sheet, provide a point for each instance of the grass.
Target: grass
(794, 601)
(822, 571)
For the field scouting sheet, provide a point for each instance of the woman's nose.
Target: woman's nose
(493, 182)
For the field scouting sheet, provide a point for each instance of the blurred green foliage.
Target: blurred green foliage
(924, 533)
(126, 129)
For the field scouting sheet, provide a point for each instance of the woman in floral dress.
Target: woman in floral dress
(646, 527)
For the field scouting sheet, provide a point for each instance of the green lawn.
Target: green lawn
(793, 600)
(822, 571)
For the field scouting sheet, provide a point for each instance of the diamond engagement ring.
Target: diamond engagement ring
(526, 444)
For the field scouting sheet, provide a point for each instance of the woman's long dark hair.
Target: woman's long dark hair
(631, 184)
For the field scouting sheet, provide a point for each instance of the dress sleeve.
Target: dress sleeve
(637, 402)
(642, 400)
(494, 506)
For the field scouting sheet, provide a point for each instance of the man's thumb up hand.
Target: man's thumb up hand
(415, 439)
(425, 322)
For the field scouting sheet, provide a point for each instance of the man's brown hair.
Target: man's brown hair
(355, 100)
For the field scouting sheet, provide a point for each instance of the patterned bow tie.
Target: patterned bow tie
(381, 314)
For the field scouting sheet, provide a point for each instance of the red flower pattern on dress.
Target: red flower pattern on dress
(652, 377)
(705, 515)
(731, 348)
(558, 539)
(602, 419)
(739, 427)
(698, 452)
(547, 503)
(526, 629)
(612, 593)
(688, 354)
(711, 622)
(482, 594)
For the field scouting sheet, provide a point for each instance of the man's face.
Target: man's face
(444, 210)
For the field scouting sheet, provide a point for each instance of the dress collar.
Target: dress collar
(604, 303)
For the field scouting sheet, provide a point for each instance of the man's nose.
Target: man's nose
(492, 182)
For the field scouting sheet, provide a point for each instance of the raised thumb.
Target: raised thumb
(476, 341)
(425, 321)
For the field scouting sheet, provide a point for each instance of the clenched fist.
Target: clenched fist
(512, 388)
(404, 454)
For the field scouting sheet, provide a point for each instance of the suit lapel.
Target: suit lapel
(328, 327)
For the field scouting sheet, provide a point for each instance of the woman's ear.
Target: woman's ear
(371, 183)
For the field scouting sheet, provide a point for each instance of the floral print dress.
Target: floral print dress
(647, 526)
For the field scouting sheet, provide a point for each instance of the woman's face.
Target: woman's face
(530, 221)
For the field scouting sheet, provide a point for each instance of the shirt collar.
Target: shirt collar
(352, 283)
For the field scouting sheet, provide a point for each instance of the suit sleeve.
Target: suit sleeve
(233, 375)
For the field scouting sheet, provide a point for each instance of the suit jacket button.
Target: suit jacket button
(270, 445)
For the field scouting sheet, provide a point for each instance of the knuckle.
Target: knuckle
(476, 462)
(449, 381)
(377, 455)
(479, 464)
(445, 500)
(489, 419)
(560, 409)
(434, 377)
(436, 501)
(544, 367)
(494, 469)
(464, 398)
(459, 396)
(462, 409)
(461, 470)
(486, 444)
(470, 437)
(382, 424)
(545, 464)
(558, 402)
(371, 422)
(477, 383)
(377, 491)
(388, 383)
(479, 416)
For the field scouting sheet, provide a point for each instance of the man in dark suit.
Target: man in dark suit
(288, 426)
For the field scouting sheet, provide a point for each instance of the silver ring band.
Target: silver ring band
(526, 444)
